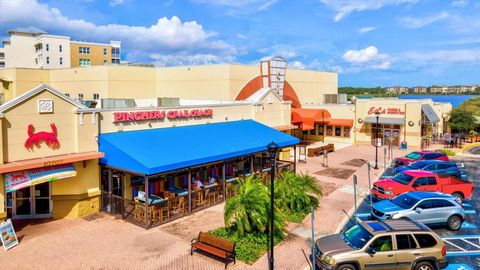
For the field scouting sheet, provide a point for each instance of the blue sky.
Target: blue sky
(368, 42)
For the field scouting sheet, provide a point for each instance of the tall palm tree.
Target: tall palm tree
(249, 210)
(297, 193)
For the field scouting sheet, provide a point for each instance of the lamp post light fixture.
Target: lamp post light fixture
(272, 149)
(377, 115)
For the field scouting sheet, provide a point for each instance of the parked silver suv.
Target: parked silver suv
(430, 208)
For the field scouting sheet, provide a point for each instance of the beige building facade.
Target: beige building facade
(211, 82)
(49, 161)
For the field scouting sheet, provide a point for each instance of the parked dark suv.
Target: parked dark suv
(439, 167)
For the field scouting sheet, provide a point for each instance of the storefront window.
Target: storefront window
(338, 131)
(346, 132)
(320, 130)
(329, 131)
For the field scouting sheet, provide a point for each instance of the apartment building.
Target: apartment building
(31, 47)
(436, 89)
(396, 89)
(92, 54)
(419, 90)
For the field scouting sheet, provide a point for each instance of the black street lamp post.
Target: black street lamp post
(272, 149)
(377, 114)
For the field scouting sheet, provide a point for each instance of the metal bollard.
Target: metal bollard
(355, 192)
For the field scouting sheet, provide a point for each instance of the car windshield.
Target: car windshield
(356, 236)
(402, 178)
(405, 201)
(417, 165)
(414, 155)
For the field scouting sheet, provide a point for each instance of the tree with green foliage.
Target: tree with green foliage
(462, 120)
(471, 105)
(297, 193)
(249, 211)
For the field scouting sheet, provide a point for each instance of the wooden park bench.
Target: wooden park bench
(317, 151)
(213, 245)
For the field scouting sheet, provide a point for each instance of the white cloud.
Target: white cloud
(167, 36)
(364, 30)
(116, 2)
(296, 65)
(410, 22)
(183, 59)
(459, 3)
(344, 7)
(251, 5)
(368, 58)
(241, 36)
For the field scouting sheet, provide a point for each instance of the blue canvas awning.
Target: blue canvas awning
(166, 149)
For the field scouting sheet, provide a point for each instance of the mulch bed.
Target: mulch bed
(356, 162)
(336, 173)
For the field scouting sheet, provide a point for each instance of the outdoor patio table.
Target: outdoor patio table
(232, 179)
(210, 185)
(178, 191)
(152, 199)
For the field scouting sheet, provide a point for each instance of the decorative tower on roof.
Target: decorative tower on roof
(273, 74)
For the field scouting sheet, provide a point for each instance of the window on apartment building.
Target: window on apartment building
(84, 50)
(115, 61)
(115, 51)
(96, 96)
(48, 60)
(105, 51)
(84, 62)
(80, 96)
(60, 49)
(47, 47)
(104, 61)
(61, 60)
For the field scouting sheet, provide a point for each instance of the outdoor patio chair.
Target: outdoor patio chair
(179, 207)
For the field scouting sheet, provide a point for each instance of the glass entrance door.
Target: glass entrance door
(42, 199)
(32, 202)
(23, 203)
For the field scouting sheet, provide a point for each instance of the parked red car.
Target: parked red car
(412, 180)
(422, 155)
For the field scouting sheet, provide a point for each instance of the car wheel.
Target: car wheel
(346, 267)
(458, 197)
(454, 223)
(424, 266)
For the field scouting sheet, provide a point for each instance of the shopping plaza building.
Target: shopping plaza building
(150, 145)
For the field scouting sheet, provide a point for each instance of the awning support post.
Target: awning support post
(189, 191)
(252, 157)
(147, 194)
(295, 159)
(110, 185)
(224, 182)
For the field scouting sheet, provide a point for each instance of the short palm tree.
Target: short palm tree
(249, 210)
(297, 193)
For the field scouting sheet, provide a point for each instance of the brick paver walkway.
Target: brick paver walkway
(108, 243)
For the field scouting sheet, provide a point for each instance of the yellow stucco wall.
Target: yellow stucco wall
(77, 196)
(71, 197)
(72, 136)
(219, 82)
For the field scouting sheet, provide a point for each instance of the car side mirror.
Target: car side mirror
(371, 251)
(418, 210)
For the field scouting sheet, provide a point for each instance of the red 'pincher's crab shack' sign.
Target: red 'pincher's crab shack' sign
(121, 117)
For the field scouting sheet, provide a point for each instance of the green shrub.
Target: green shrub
(249, 247)
(447, 152)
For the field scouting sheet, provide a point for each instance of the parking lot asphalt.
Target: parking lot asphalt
(468, 237)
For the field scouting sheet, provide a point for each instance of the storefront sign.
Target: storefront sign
(159, 115)
(35, 138)
(8, 235)
(23, 179)
(381, 110)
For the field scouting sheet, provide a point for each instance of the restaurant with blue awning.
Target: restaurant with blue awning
(152, 176)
